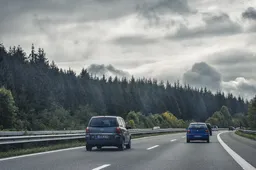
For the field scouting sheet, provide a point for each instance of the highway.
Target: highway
(165, 152)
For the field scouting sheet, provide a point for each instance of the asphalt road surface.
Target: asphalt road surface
(166, 152)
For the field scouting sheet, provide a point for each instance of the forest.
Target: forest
(37, 95)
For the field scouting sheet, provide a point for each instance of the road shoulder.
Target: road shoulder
(244, 147)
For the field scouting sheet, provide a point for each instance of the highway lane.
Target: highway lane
(160, 152)
(80, 159)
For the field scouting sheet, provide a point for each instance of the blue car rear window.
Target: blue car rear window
(103, 122)
(197, 126)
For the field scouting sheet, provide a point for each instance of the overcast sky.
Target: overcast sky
(202, 42)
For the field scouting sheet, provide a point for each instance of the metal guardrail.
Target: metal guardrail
(248, 131)
(42, 136)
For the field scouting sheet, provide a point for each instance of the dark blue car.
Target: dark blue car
(107, 131)
(198, 131)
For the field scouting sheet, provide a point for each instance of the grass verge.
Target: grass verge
(249, 136)
(56, 146)
(36, 149)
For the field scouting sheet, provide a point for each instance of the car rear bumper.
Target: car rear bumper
(114, 140)
(198, 136)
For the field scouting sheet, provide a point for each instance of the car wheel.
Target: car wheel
(121, 147)
(128, 146)
(208, 140)
(88, 148)
(99, 147)
(188, 140)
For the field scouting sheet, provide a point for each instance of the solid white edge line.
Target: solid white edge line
(41, 153)
(101, 167)
(243, 163)
(152, 147)
(173, 140)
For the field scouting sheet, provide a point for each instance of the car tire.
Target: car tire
(188, 141)
(99, 147)
(88, 148)
(128, 146)
(121, 146)
(208, 140)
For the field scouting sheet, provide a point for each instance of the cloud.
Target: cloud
(107, 70)
(241, 87)
(163, 6)
(203, 75)
(215, 24)
(233, 63)
(249, 13)
(134, 40)
(154, 13)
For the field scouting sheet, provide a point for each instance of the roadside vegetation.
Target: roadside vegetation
(246, 135)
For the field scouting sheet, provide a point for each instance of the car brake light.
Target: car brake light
(206, 131)
(118, 130)
(188, 131)
(87, 130)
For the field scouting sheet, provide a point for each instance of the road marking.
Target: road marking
(152, 147)
(183, 136)
(152, 137)
(101, 167)
(173, 140)
(243, 163)
(41, 153)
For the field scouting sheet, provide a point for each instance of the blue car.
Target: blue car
(198, 131)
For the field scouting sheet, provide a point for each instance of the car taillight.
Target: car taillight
(206, 131)
(87, 130)
(118, 130)
(188, 131)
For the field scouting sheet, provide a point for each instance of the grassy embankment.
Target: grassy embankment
(249, 136)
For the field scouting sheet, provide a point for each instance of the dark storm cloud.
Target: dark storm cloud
(133, 40)
(106, 70)
(233, 56)
(234, 63)
(215, 25)
(163, 6)
(152, 11)
(203, 75)
(249, 13)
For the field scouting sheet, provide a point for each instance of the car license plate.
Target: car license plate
(102, 137)
(197, 136)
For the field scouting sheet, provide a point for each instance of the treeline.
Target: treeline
(47, 97)
(223, 118)
(164, 120)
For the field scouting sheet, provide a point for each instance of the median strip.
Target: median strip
(101, 167)
(153, 147)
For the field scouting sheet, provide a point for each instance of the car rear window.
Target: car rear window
(103, 122)
(197, 126)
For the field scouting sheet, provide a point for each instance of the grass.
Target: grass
(56, 146)
(17, 152)
(249, 136)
